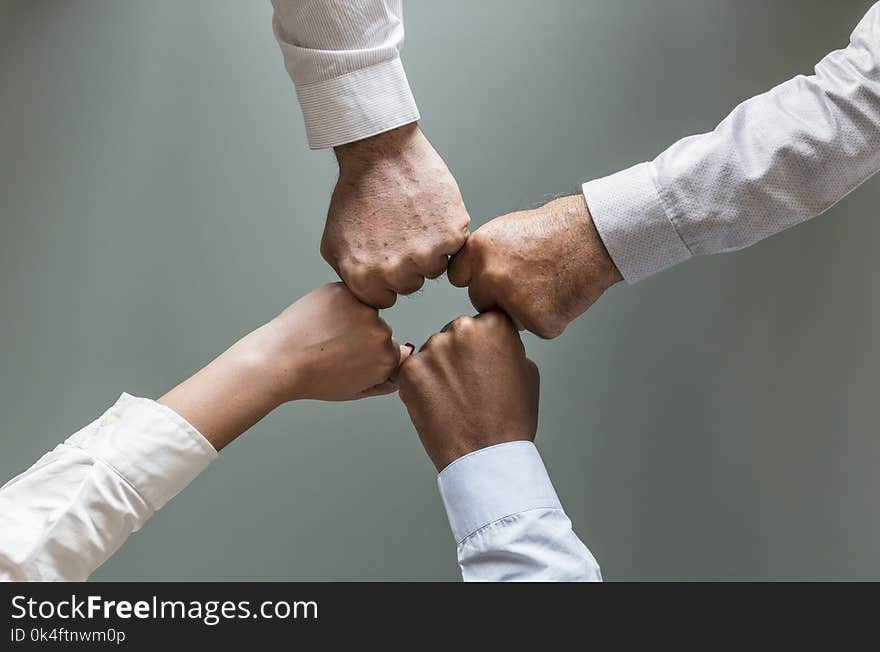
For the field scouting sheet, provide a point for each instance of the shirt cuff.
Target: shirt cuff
(357, 105)
(493, 483)
(629, 216)
(149, 445)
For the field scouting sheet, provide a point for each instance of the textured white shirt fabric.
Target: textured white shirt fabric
(344, 59)
(69, 512)
(75, 507)
(777, 160)
(508, 521)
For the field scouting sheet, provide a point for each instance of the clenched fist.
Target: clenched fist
(543, 267)
(471, 387)
(329, 346)
(395, 217)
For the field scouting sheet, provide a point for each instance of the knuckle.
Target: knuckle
(494, 319)
(410, 372)
(549, 329)
(478, 240)
(437, 268)
(435, 341)
(424, 254)
(458, 236)
(389, 265)
(464, 325)
(495, 276)
(389, 361)
(354, 275)
(383, 330)
(384, 299)
(412, 284)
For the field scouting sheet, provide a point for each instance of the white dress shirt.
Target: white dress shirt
(344, 59)
(777, 160)
(508, 521)
(75, 507)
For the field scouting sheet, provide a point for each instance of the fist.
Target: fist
(329, 346)
(395, 217)
(470, 387)
(543, 267)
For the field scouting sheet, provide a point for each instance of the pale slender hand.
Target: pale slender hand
(470, 387)
(327, 346)
(395, 217)
(543, 267)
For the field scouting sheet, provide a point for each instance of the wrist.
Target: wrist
(392, 144)
(273, 377)
(455, 450)
(229, 395)
(604, 270)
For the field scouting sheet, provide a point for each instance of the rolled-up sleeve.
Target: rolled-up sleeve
(344, 60)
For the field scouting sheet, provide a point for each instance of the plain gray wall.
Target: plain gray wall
(157, 201)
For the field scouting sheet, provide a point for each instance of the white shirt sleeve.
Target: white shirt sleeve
(777, 160)
(344, 59)
(508, 521)
(69, 512)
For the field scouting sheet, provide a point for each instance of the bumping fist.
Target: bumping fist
(543, 267)
(331, 347)
(395, 217)
(469, 387)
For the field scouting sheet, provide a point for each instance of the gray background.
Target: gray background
(157, 201)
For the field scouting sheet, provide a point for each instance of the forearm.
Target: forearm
(76, 506)
(777, 160)
(345, 64)
(231, 394)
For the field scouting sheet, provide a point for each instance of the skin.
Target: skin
(543, 267)
(327, 346)
(395, 216)
(469, 387)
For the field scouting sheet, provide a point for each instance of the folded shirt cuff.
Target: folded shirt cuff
(149, 445)
(493, 483)
(357, 105)
(629, 216)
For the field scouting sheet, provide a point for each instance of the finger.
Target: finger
(390, 386)
(406, 350)
(433, 340)
(482, 299)
(407, 284)
(380, 298)
(458, 239)
(459, 272)
(366, 285)
(501, 319)
(382, 389)
(435, 266)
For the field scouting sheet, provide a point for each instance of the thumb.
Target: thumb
(459, 271)
(390, 386)
(406, 350)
